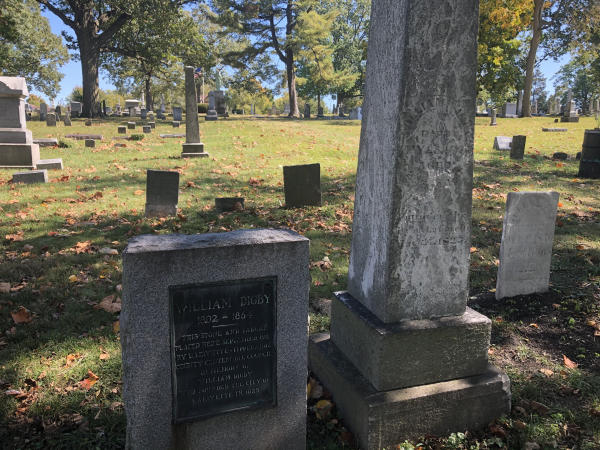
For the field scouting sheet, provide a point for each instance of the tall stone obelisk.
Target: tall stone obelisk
(17, 149)
(406, 356)
(192, 148)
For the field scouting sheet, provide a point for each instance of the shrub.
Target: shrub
(136, 137)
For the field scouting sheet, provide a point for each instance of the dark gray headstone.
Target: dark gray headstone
(517, 149)
(31, 177)
(162, 193)
(302, 185)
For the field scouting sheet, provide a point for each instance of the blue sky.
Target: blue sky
(72, 70)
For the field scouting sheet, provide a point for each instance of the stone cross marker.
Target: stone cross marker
(213, 333)
(526, 249)
(16, 141)
(162, 193)
(404, 321)
(192, 147)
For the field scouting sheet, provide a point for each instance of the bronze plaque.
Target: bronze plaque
(223, 347)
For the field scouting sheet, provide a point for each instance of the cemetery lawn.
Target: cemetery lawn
(60, 271)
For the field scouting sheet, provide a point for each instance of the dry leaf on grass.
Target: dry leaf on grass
(568, 363)
(111, 304)
(138, 192)
(88, 382)
(547, 372)
(104, 355)
(21, 315)
(72, 359)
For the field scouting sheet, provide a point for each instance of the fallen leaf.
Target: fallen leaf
(15, 237)
(104, 355)
(4, 288)
(568, 363)
(547, 372)
(88, 382)
(116, 326)
(138, 192)
(110, 303)
(21, 315)
(534, 325)
(323, 409)
(474, 249)
(73, 279)
(72, 358)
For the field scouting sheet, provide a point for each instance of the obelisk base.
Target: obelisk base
(19, 156)
(381, 419)
(194, 150)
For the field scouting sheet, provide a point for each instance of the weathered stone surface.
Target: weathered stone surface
(43, 111)
(554, 130)
(302, 185)
(122, 130)
(80, 137)
(152, 125)
(560, 156)
(46, 142)
(192, 130)
(502, 142)
(177, 113)
(153, 263)
(526, 248)
(171, 136)
(16, 136)
(50, 164)
(51, 120)
(147, 129)
(131, 125)
(67, 120)
(384, 419)
(493, 120)
(19, 155)
(412, 222)
(90, 143)
(31, 177)
(162, 193)
(509, 110)
(229, 203)
(589, 165)
(411, 352)
(517, 149)
(176, 125)
(193, 151)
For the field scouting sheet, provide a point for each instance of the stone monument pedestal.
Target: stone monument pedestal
(211, 115)
(193, 150)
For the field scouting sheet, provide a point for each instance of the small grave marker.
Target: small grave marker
(502, 143)
(302, 185)
(162, 193)
(30, 177)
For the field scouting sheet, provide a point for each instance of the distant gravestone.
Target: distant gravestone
(75, 109)
(286, 109)
(526, 248)
(46, 142)
(570, 110)
(589, 164)
(146, 129)
(175, 124)
(229, 204)
(43, 112)
(307, 111)
(50, 120)
(30, 177)
(220, 104)
(67, 120)
(509, 110)
(131, 125)
(122, 129)
(520, 104)
(302, 185)
(320, 114)
(152, 125)
(554, 130)
(177, 113)
(517, 148)
(502, 143)
(273, 110)
(144, 113)
(493, 121)
(162, 193)
(219, 322)
(58, 112)
(193, 147)
(91, 143)
(50, 164)
(211, 113)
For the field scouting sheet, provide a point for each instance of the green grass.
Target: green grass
(99, 198)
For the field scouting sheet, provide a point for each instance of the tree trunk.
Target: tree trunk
(291, 79)
(149, 99)
(538, 7)
(89, 55)
(318, 102)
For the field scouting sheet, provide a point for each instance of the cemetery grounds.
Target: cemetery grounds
(60, 271)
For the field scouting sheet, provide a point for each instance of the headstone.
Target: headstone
(171, 136)
(211, 113)
(162, 193)
(589, 164)
(509, 110)
(192, 148)
(175, 124)
(122, 129)
(307, 111)
(76, 109)
(560, 156)
(88, 123)
(30, 177)
(152, 125)
(46, 142)
(50, 120)
(534, 107)
(79, 137)
(144, 113)
(177, 113)
(50, 164)
(286, 109)
(219, 322)
(554, 130)
(493, 120)
(17, 149)
(146, 129)
(43, 112)
(302, 185)
(396, 361)
(520, 104)
(526, 248)
(67, 120)
(131, 125)
(517, 148)
(273, 110)
(252, 110)
(90, 143)
(108, 110)
(220, 104)
(502, 143)
(570, 110)
(58, 112)
(224, 204)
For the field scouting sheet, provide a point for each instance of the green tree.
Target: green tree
(151, 48)
(578, 76)
(266, 25)
(28, 48)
